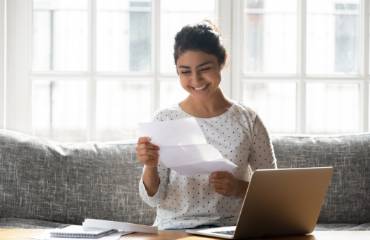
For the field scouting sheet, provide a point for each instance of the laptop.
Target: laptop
(278, 202)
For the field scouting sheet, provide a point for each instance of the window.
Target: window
(301, 64)
(92, 69)
(270, 55)
(98, 66)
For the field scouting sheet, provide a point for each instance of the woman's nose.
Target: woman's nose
(196, 76)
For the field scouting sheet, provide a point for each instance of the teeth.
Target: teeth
(200, 88)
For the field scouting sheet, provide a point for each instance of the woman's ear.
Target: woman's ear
(222, 65)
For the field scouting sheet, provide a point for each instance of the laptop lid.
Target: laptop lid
(282, 202)
(278, 202)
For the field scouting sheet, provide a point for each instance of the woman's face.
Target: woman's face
(199, 72)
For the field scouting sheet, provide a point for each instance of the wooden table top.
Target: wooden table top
(28, 234)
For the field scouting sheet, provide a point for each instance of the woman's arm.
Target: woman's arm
(262, 152)
(151, 180)
(152, 186)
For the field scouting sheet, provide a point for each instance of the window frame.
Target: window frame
(16, 94)
(301, 77)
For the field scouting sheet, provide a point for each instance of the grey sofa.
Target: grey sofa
(49, 184)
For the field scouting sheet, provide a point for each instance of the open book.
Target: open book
(122, 227)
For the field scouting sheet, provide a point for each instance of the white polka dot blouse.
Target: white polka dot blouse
(189, 202)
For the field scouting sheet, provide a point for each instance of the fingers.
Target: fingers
(144, 142)
(150, 160)
(221, 189)
(220, 176)
(222, 182)
(147, 147)
(146, 152)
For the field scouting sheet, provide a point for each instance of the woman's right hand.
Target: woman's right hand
(147, 153)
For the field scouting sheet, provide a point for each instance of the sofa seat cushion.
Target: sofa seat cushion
(342, 227)
(34, 223)
(28, 223)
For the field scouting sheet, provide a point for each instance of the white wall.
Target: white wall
(18, 85)
(2, 62)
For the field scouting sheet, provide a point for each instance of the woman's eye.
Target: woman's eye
(205, 69)
(185, 72)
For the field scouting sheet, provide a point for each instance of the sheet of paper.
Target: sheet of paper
(184, 148)
(120, 226)
(206, 167)
(184, 131)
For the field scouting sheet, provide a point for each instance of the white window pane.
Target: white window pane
(270, 36)
(174, 15)
(41, 41)
(272, 5)
(333, 36)
(59, 4)
(60, 35)
(124, 35)
(70, 41)
(41, 107)
(120, 107)
(59, 109)
(171, 93)
(274, 102)
(333, 108)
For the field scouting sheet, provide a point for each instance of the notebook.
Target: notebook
(74, 231)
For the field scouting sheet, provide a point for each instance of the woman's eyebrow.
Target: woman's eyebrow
(205, 63)
(198, 66)
(183, 66)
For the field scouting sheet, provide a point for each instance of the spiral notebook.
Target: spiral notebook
(74, 231)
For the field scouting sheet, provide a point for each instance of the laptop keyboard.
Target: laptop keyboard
(226, 232)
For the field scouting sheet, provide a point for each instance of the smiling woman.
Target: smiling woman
(235, 130)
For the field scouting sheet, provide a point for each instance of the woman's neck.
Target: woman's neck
(206, 108)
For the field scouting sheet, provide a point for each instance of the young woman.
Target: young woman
(235, 130)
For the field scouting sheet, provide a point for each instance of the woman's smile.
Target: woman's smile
(201, 88)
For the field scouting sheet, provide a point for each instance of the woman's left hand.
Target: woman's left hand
(226, 184)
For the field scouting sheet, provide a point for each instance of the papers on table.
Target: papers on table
(46, 235)
(94, 227)
(123, 227)
(184, 148)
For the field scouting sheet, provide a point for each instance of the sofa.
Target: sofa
(49, 184)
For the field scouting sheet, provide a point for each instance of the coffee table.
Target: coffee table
(28, 234)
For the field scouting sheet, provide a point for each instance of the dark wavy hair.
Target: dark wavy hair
(203, 36)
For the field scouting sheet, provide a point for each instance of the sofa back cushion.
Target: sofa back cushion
(66, 183)
(348, 197)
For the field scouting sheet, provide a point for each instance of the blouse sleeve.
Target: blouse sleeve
(262, 153)
(155, 200)
(163, 173)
